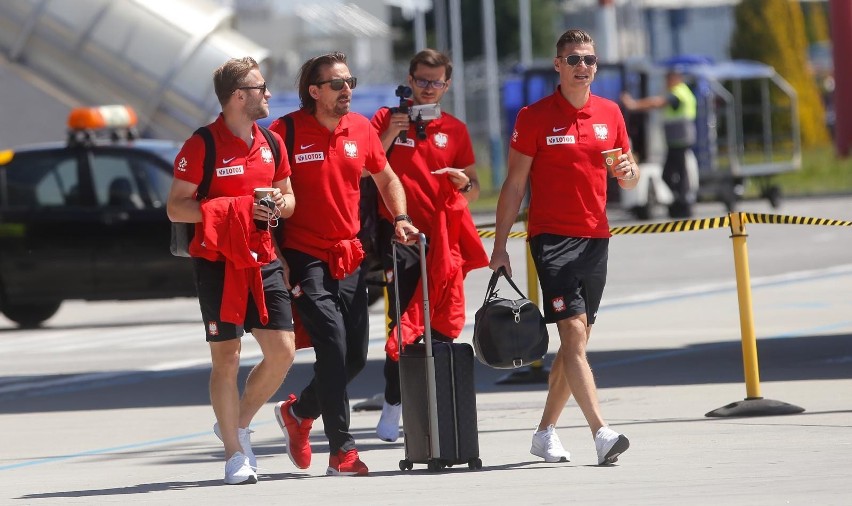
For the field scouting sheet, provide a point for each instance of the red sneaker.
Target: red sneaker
(346, 464)
(297, 436)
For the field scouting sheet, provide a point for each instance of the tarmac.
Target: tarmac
(660, 363)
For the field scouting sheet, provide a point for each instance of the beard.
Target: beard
(258, 111)
(341, 110)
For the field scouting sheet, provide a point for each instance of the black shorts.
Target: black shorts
(572, 274)
(210, 282)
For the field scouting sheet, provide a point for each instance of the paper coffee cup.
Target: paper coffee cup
(611, 157)
(259, 193)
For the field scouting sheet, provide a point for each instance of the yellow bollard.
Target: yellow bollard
(749, 343)
(753, 404)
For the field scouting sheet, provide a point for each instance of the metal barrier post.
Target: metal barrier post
(753, 404)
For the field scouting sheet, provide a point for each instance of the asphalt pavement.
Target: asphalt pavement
(663, 356)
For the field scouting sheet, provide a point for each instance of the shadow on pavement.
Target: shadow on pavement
(780, 359)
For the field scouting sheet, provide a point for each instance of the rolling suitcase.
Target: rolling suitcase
(438, 394)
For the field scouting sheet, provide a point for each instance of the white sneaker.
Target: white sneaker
(245, 442)
(610, 445)
(388, 427)
(238, 471)
(546, 444)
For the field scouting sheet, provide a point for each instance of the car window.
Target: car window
(46, 179)
(137, 177)
(114, 181)
(157, 176)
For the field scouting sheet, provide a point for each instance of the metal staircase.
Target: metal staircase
(156, 55)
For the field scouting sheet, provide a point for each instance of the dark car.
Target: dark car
(86, 219)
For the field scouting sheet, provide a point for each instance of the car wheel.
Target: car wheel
(31, 315)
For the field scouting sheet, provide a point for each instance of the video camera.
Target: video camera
(403, 92)
(419, 114)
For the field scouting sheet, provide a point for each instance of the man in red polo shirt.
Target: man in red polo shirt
(556, 146)
(435, 163)
(225, 232)
(332, 149)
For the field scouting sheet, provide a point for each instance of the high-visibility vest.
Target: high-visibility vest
(679, 124)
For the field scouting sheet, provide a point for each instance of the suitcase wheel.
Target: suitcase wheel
(474, 464)
(434, 465)
(406, 465)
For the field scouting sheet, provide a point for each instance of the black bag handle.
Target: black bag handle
(492, 284)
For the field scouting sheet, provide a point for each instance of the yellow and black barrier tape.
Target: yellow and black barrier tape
(701, 224)
(793, 220)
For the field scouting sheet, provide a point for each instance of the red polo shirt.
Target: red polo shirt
(568, 180)
(327, 168)
(447, 144)
(237, 172)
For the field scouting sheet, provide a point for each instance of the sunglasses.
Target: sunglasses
(425, 83)
(337, 84)
(261, 87)
(574, 59)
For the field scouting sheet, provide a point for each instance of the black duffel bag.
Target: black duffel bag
(508, 333)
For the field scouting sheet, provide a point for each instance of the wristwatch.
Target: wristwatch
(403, 217)
(466, 188)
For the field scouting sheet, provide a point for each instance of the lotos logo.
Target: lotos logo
(407, 142)
(235, 170)
(310, 157)
(560, 139)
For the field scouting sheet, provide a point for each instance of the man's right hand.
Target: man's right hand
(398, 123)
(500, 258)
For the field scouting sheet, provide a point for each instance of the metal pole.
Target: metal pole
(489, 35)
(440, 13)
(607, 31)
(526, 32)
(458, 61)
(419, 29)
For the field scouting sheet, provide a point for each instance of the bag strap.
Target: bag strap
(289, 136)
(273, 145)
(209, 162)
(492, 284)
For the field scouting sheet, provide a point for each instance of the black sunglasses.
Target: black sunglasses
(261, 87)
(574, 59)
(337, 84)
(425, 83)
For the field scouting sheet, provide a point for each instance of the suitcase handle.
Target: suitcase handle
(432, 395)
(427, 323)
